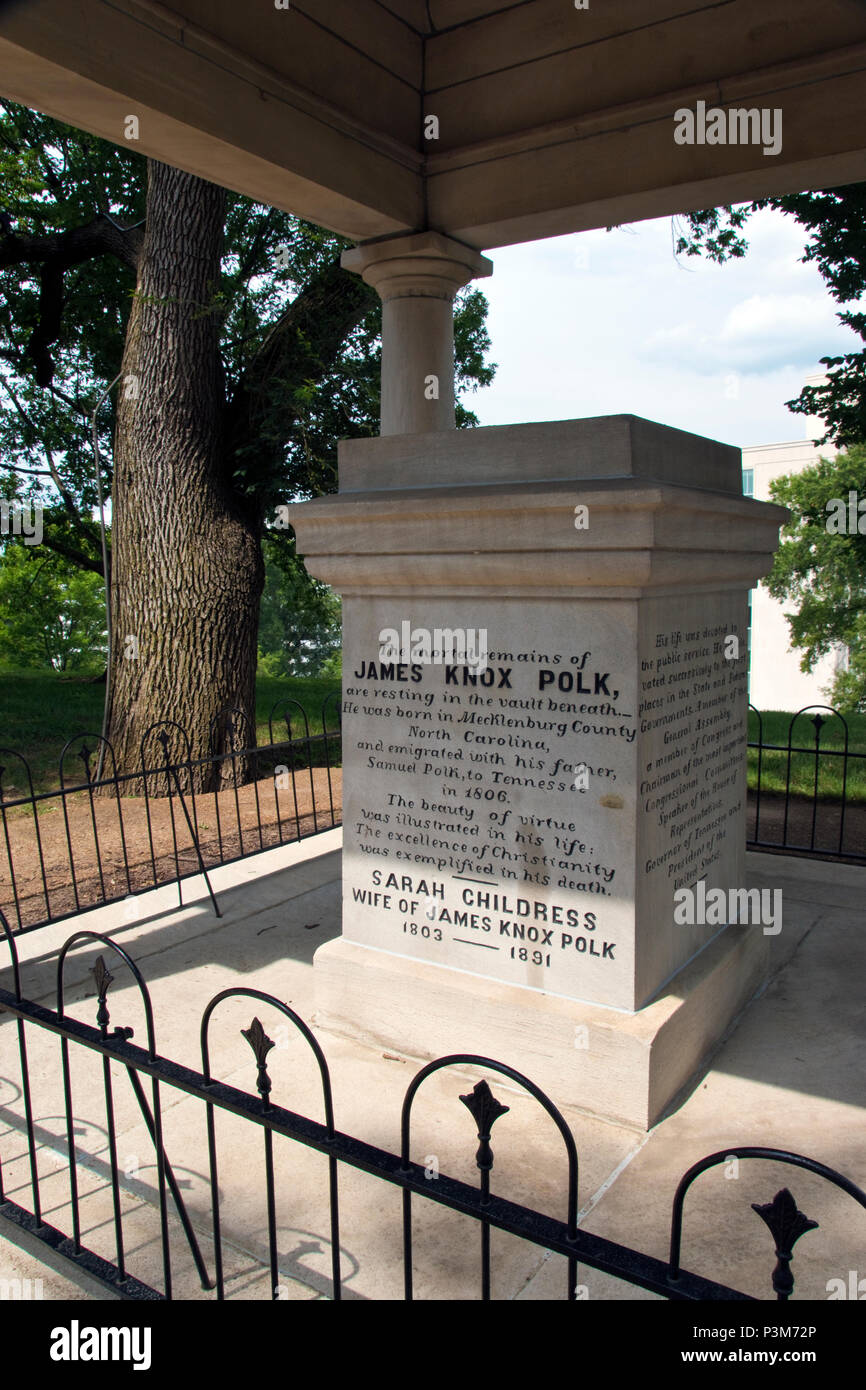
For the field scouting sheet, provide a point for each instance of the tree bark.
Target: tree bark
(187, 569)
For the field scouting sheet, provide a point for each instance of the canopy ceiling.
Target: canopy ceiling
(551, 118)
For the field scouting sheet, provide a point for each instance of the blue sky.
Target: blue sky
(607, 322)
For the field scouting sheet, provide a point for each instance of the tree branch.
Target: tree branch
(250, 259)
(78, 557)
(32, 472)
(80, 408)
(66, 495)
(298, 351)
(99, 237)
(55, 255)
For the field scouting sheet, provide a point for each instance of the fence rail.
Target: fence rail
(95, 841)
(801, 800)
(105, 836)
(785, 1222)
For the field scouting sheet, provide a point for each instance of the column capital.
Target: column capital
(424, 264)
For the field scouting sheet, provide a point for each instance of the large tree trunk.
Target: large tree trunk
(187, 568)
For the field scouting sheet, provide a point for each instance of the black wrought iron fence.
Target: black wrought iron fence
(103, 836)
(808, 787)
(559, 1234)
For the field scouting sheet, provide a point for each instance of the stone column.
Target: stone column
(515, 832)
(417, 278)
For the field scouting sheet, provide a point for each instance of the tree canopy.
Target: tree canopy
(299, 628)
(71, 232)
(240, 353)
(821, 567)
(52, 613)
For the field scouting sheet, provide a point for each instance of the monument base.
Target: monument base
(624, 1067)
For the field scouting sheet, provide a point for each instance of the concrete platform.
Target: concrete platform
(792, 1074)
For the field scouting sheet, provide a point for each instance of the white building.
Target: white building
(775, 678)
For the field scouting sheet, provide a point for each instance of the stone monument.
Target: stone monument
(544, 727)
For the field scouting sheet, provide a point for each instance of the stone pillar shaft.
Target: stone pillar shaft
(417, 278)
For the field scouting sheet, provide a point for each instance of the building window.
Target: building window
(748, 482)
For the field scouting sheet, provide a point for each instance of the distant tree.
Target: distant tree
(52, 613)
(299, 624)
(822, 568)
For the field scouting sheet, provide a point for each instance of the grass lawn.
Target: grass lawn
(775, 727)
(40, 710)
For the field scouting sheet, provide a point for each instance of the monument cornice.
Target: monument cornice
(636, 535)
(596, 574)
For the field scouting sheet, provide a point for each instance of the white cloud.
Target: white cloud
(759, 334)
(773, 316)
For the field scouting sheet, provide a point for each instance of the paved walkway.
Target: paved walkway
(792, 1074)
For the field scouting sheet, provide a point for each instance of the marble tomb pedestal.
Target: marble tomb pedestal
(515, 826)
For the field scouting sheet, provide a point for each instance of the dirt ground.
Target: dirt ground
(819, 827)
(96, 849)
(156, 844)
